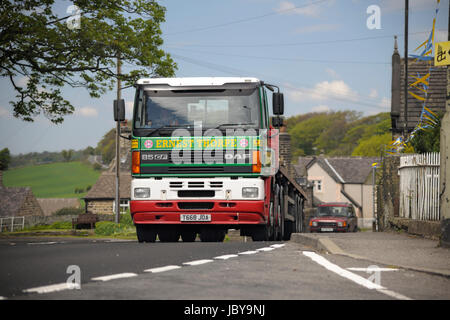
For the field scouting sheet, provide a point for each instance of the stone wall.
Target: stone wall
(30, 206)
(100, 206)
(48, 220)
(388, 190)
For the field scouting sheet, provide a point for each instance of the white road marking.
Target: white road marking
(248, 252)
(276, 246)
(197, 262)
(372, 269)
(226, 257)
(53, 288)
(265, 249)
(351, 276)
(31, 243)
(162, 269)
(115, 276)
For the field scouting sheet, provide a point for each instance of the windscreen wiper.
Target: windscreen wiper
(167, 127)
(233, 124)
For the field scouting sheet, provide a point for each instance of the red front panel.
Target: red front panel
(221, 211)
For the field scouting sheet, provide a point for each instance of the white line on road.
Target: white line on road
(248, 252)
(276, 246)
(265, 249)
(31, 243)
(53, 288)
(162, 269)
(226, 257)
(372, 269)
(197, 262)
(115, 276)
(351, 276)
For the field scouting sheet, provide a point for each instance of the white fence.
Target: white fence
(11, 223)
(419, 186)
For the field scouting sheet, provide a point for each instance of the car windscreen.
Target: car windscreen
(333, 211)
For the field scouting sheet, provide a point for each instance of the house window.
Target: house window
(317, 185)
(124, 206)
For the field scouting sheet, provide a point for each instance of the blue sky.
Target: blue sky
(320, 52)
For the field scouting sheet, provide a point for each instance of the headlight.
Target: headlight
(341, 224)
(142, 192)
(314, 223)
(250, 192)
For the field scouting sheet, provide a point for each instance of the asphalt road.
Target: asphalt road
(230, 270)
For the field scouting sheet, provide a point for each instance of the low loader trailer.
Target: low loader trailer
(205, 160)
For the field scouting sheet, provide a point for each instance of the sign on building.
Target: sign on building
(442, 54)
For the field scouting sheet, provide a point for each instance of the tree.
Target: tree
(44, 50)
(5, 159)
(428, 140)
(67, 154)
(373, 146)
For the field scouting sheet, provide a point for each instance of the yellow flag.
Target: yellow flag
(442, 53)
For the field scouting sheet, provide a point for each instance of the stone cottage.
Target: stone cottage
(18, 201)
(101, 198)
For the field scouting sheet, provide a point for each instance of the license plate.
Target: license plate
(326, 229)
(195, 217)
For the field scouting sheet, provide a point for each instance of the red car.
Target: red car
(334, 217)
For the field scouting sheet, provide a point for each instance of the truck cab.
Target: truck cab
(200, 160)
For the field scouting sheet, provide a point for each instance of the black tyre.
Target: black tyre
(261, 233)
(188, 236)
(212, 235)
(168, 234)
(145, 233)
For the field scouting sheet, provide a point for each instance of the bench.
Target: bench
(83, 220)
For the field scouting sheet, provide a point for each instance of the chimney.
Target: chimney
(395, 89)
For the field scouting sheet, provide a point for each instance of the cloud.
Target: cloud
(317, 28)
(373, 93)
(321, 108)
(325, 90)
(86, 112)
(385, 103)
(289, 8)
(4, 112)
(332, 73)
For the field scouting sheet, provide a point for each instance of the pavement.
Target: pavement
(389, 248)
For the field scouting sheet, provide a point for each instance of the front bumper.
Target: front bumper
(334, 229)
(222, 212)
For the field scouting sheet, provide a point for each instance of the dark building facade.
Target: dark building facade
(436, 92)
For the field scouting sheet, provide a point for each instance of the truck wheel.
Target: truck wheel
(261, 233)
(145, 233)
(188, 236)
(168, 234)
(212, 235)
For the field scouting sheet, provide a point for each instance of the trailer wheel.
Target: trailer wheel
(145, 233)
(168, 234)
(277, 212)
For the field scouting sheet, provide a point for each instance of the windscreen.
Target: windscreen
(209, 108)
(333, 211)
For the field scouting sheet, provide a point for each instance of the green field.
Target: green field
(55, 180)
